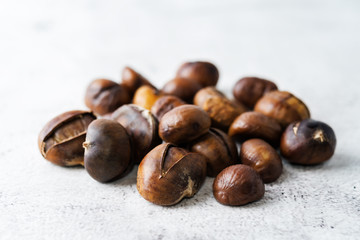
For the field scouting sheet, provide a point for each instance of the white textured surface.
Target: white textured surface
(50, 50)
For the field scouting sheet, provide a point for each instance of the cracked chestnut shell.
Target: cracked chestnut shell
(308, 142)
(282, 106)
(145, 96)
(60, 141)
(221, 110)
(165, 104)
(132, 80)
(182, 88)
(238, 185)
(107, 150)
(141, 126)
(259, 155)
(167, 174)
(249, 90)
(183, 124)
(256, 125)
(104, 96)
(218, 148)
(204, 73)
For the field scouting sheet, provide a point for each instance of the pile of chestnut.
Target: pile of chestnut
(186, 131)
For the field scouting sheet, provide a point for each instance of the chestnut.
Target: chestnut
(104, 96)
(184, 123)
(60, 139)
(132, 80)
(145, 96)
(167, 174)
(165, 104)
(182, 88)
(141, 126)
(221, 110)
(205, 73)
(249, 90)
(107, 150)
(308, 142)
(259, 155)
(238, 185)
(282, 106)
(256, 125)
(218, 148)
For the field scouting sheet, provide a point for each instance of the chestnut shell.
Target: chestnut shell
(132, 80)
(182, 88)
(164, 104)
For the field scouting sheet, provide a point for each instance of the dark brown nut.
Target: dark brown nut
(60, 141)
(104, 96)
(167, 174)
(145, 96)
(249, 90)
(308, 142)
(184, 123)
(182, 88)
(238, 185)
(133, 80)
(220, 151)
(256, 125)
(204, 73)
(107, 150)
(221, 110)
(141, 126)
(259, 155)
(282, 106)
(165, 104)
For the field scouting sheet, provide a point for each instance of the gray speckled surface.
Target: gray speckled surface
(50, 51)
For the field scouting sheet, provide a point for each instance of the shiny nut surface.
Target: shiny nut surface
(145, 96)
(259, 155)
(249, 90)
(238, 185)
(183, 124)
(282, 106)
(182, 88)
(141, 126)
(218, 148)
(133, 80)
(167, 174)
(256, 125)
(60, 141)
(308, 142)
(204, 73)
(104, 96)
(107, 150)
(165, 104)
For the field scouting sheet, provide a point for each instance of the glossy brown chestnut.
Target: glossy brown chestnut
(218, 148)
(183, 124)
(221, 110)
(308, 142)
(256, 125)
(60, 141)
(182, 88)
(282, 106)
(165, 104)
(107, 150)
(145, 96)
(259, 155)
(133, 80)
(141, 126)
(249, 90)
(167, 174)
(238, 185)
(104, 96)
(204, 73)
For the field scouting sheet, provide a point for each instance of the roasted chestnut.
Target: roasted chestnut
(204, 73)
(167, 174)
(60, 141)
(141, 126)
(183, 124)
(165, 104)
(104, 96)
(107, 150)
(145, 96)
(238, 185)
(249, 90)
(283, 106)
(259, 155)
(308, 142)
(256, 125)
(182, 88)
(220, 151)
(133, 80)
